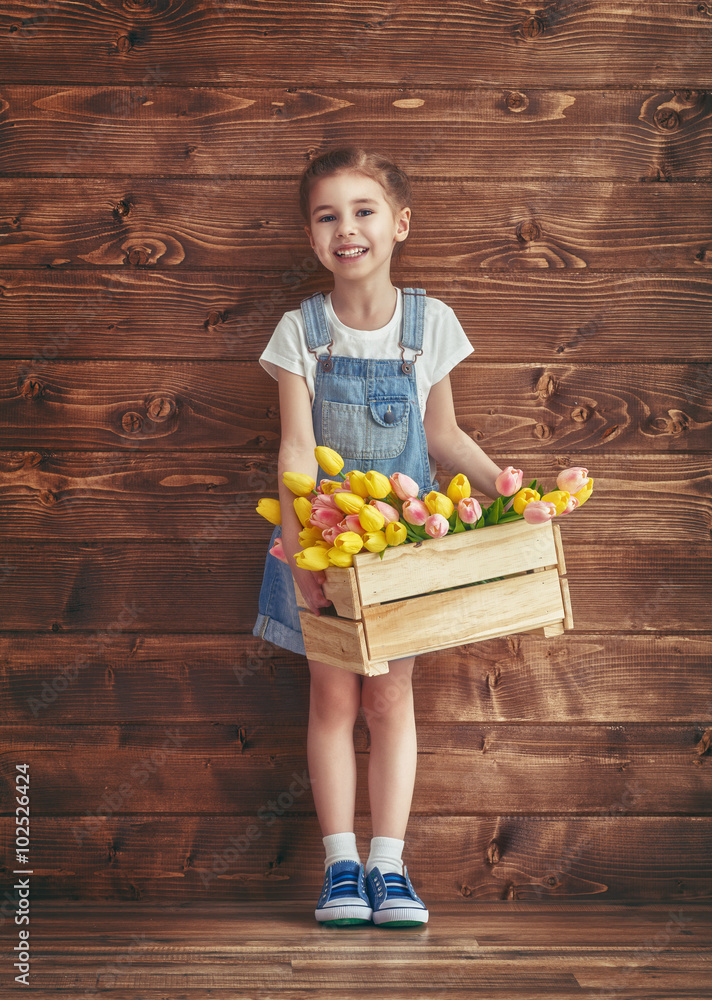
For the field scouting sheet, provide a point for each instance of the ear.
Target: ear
(307, 230)
(402, 224)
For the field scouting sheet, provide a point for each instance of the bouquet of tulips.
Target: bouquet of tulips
(367, 510)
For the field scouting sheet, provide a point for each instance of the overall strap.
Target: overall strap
(316, 327)
(413, 324)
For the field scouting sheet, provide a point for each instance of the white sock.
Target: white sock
(340, 847)
(386, 855)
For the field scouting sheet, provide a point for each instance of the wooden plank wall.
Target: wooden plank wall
(149, 240)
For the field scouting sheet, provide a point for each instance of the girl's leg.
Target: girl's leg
(334, 700)
(388, 709)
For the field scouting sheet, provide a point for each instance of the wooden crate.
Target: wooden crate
(404, 604)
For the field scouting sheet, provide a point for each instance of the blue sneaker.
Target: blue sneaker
(394, 900)
(343, 899)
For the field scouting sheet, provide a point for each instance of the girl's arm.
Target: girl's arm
(451, 447)
(296, 454)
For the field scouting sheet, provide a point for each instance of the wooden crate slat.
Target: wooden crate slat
(339, 642)
(469, 614)
(467, 557)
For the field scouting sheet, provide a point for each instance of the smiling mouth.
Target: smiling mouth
(359, 252)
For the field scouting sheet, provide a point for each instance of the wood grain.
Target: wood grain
(94, 586)
(474, 132)
(498, 225)
(206, 768)
(244, 682)
(539, 316)
(637, 858)
(155, 406)
(205, 495)
(411, 45)
(556, 949)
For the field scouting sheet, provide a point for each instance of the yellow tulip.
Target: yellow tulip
(396, 533)
(330, 461)
(370, 518)
(375, 541)
(357, 482)
(349, 541)
(559, 498)
(302, 508)
(438, 503)
(338, 557)
(379, 486)
(522, 498)
(314, 558)
(459, 488)
(298, 483)
(583, 495)
(350, 503)
(269, 509)
(330, 485)
(308, 536)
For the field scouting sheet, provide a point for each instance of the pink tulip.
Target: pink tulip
(539, 511)
(572, 480)
(324, 500)
(404, 487)
(509, 481)
(571, 505)
(437, 525)
(415, 511)
(469, 510)
(330, 534)
(390, 513)
(351, 523)
(277, 550)
(324, 517)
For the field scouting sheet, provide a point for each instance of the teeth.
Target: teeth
(350, 253)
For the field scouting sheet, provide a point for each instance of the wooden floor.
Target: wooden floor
(262, 951)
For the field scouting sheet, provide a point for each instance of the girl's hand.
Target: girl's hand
(310, 583)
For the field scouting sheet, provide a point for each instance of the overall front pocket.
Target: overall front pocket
(367, 433)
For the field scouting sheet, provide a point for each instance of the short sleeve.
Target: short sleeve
(452, 343)
(285, 348)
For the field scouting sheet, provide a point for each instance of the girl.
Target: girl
(365, 371)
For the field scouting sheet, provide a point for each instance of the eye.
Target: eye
(367, 210)
(326, 218)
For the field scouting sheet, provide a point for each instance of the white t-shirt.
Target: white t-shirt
(445, 344)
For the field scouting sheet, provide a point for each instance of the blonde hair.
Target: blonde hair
(393, 180)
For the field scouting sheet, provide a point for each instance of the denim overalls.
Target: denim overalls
(367, 410)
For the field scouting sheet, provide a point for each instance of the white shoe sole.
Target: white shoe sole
(401, 915)
(344, 912)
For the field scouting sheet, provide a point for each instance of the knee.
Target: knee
(333, 704)
(384, 702)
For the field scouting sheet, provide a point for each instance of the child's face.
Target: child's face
(348, 211)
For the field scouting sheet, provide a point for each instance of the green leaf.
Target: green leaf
(511, 515)
(459, 526)
(495, 512)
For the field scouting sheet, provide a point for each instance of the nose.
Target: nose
(347, 228)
